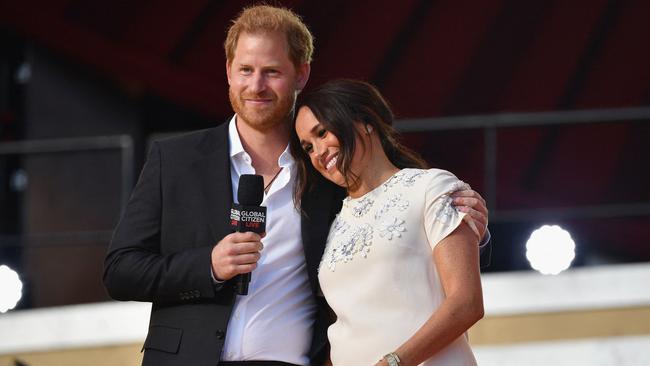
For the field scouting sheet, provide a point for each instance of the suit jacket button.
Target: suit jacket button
(221, 334)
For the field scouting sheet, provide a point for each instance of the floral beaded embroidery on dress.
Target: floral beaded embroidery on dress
(348, 240)
(444, 207)
(394, 201)
(362, 207)
(392, 227)
(351, 240)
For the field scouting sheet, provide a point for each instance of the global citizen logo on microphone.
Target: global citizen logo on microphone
(248, 218)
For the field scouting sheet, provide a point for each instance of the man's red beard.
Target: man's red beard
(262, 118)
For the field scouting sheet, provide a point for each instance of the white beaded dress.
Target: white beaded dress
(377, 271)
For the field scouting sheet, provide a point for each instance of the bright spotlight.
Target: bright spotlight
(11, 289)
(550, 249)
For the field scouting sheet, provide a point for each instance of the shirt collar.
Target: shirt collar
(286, 159)
(237, 149)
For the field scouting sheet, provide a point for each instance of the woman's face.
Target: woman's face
(323, 147)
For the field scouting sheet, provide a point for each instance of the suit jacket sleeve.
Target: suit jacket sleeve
(136, 268)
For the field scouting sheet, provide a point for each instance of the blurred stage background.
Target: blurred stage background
(542, 106)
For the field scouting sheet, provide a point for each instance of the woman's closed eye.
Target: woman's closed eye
(320, 132)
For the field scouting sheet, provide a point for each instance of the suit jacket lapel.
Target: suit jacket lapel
(319, 207)
(215, 165)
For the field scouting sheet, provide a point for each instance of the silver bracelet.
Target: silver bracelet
(393, 359)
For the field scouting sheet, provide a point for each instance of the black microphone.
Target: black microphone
(248, 215)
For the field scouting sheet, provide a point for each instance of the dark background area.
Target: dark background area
(92, 68)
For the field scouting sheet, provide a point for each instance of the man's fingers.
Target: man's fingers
(236, 253)
(468, 193)
(246, 258)
(228, 266)
(478, 217)
(244, 237)
(236, 269)
(467, 201)
(245, 268)
(465, 193)
(231, 249)
(247, 247)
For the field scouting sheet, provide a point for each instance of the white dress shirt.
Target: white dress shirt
(274, 321)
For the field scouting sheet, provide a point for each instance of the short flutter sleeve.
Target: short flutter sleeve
(441, 218)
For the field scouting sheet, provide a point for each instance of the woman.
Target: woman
(400, 269)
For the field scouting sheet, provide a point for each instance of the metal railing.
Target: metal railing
(490, 123)
(123, 143)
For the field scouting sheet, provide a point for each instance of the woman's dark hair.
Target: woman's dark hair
(337, 105)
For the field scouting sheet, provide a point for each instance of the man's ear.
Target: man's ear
(302, 76)
(228, 71)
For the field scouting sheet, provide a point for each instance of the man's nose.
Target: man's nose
(258, 83)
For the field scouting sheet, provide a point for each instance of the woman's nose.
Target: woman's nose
(319, 150)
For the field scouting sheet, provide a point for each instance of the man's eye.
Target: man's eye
(245, 70)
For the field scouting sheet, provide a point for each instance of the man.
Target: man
(163, 250)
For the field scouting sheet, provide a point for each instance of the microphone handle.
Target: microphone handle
(242, 283)
(247, 218)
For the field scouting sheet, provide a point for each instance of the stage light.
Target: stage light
(550, 249)
(11, 289)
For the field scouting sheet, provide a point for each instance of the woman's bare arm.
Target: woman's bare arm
(457, 261)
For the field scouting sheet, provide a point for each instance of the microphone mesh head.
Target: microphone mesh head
(251, 190)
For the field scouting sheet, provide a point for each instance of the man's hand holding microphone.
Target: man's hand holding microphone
(237, 254)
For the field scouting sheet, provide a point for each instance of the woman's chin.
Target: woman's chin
(341, 184)
(336, 179)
